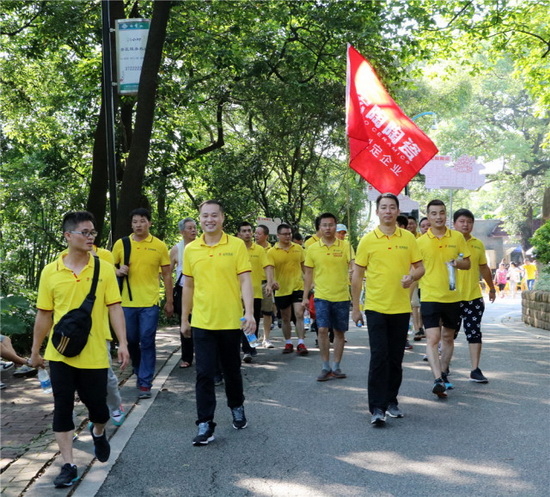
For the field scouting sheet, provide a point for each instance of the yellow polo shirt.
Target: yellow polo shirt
(434, 285)
(330, 269)
(258, 261)
(288, 268)
(530, 271)
(61, 291)
(311, 241)
(467, 282)
(386, 260)
(215, 271)
(146, 259)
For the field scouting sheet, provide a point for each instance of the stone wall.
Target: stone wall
(536, 308)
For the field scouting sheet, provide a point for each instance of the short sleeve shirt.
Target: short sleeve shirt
(386, 260)
(434, 285)
(146, 259)
(468, 281)
(330, 269)
(60, 291)
(288, 268)
(310, 241)
(258, 261)
(215, 271)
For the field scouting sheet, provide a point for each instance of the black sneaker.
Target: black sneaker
(205, 434)
(448, 384)
(67, 477)
(378, 417)
(102, 449)
(239, 419)
(419, 335)
(394, 411)
(439, 386)
(477, 376)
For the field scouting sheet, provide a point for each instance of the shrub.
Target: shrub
(17, 315)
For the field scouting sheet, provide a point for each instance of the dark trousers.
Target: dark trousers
(91, 386)
(209, 345)
(187, 348)
(387, 337)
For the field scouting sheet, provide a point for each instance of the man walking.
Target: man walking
(64, 284)
(443, 251)
(472, 305)
(188, 230)
(217, 269)
(140, 294)
(327, 262)
(288, 259)
(386, 256)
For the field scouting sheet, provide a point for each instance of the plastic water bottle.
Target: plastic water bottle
(44, 379)
(307, 320)
(252, 340)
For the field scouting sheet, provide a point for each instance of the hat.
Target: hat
(341, 227)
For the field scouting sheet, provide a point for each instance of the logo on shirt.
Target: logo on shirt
(225, 253)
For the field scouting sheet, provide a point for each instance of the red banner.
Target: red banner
(385, 146)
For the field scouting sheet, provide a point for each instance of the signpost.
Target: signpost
(131, 40)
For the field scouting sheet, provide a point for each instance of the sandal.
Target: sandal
(184, 364)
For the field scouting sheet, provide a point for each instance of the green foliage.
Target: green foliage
(543, 281)
(17, 315)
(541, 243)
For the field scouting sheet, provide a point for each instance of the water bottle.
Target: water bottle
(307, 320)
(44, 379)
(252, 340)
(452, 275)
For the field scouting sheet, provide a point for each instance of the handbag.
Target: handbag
(71, 332)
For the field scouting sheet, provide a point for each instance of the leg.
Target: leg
(378, 367)
(8, 352)
(64, 441)
(433, 337)
(324, 345)
(132, 335)
(472, 316)
(397, 336)
(148, 321)
(230, 359)
(475, 354)
(285, 316)
(206, 363)
(299, 313)
(187, 348)
(339, 341)
(447, 347)
(113, 393)
(267, 326)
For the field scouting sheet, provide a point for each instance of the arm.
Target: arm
(116, 316)
(187, 305)
(356, 285)
(168, 290)
(173, 258)
(462, 264)
(269, 277)
(247, 292)
(42, 326)
(416, 273)
(487, 276)
(308, 283)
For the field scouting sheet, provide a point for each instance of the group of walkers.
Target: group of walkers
(225, 286)
(509, 277)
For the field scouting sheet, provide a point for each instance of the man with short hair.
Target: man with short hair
(412, 225)
(443, 251)
(530, 270)
(327, 262)
(261, 235)
(418, 328)
(287, 258)
(188, 231)
(140, 295)
(424, 226)
(472, 305)
(217, 284)
(386, 255)
(64, 284)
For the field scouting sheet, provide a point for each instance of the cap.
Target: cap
(341, 227)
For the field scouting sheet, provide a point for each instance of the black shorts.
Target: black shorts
(435, 314)
(287, 300)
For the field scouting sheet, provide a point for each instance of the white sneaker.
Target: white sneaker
(268, 345)
(6, 365)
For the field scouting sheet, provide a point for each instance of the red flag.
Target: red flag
(385, 146)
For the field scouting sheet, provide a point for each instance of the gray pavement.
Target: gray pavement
(314, 439)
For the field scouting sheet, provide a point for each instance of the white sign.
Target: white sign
(131, 40)
(463, 174)
(406, 204)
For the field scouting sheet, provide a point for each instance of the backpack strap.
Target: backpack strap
(88, 303)
(127, 249)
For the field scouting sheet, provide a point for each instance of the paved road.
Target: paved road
(314, 439)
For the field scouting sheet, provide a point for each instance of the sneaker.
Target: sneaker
(425, 358)
(378, 417)
(408, 345)
(337, 373)
(289, 348)
(247, 358)
(445, 379)
(326, 374)
(205, 434)
(25, 371)
(301, 349)
(144, 393)
(254, 352)
(239, 419)
(102, 449)
(218, 380)
(419, 335)
(439, 386)
(268, 344)
(68, 475)
(5, 365)
(477, 376)
(2, 385)
(118, 416)
(279, 324)
(393, 411)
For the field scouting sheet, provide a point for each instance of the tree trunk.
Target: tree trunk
(132, 183)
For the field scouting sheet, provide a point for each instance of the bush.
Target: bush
(17, 321)
(543, 281)
(541, 242)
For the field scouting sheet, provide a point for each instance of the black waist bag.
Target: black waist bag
(71, 332)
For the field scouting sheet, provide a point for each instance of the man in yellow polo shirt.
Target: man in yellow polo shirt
(443, 252)
(217, 284)
(327, 262)
(386, 255)
(140, 295)
(287, 258)
(64, 284)
(472, 305)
